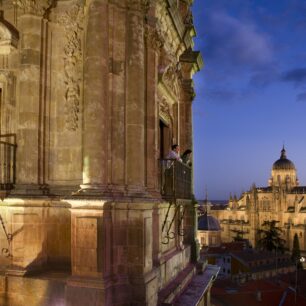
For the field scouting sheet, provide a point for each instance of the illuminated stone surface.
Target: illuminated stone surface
(85, 86)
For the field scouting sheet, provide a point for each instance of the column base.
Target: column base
(116, 192)
(29, 190)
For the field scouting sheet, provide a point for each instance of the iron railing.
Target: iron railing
(175, 179)
(7, 161)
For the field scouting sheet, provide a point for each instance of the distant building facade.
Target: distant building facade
(283, 200)
(239, 262)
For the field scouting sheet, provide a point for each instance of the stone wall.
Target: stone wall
(84, 86)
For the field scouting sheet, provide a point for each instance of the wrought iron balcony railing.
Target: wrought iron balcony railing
(175, 179)
(7, 161)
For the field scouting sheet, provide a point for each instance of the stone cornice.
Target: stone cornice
(33, 7)
(194, 58)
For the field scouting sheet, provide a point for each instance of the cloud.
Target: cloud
(222, 95)
(301, 97)
(233, 42)
(296, 76)
(265, 77)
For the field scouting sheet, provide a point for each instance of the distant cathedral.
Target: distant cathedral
(283, 200)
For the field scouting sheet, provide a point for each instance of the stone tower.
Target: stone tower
(92, 95)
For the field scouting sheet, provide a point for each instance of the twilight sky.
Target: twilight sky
(251, 94)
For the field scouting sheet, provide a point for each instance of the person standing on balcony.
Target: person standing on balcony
(186, 157)
(174, 153)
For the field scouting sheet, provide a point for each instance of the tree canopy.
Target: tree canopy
(269, 237)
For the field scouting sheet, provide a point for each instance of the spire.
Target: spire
(283, 153)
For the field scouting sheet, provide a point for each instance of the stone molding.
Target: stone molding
(33, 7)
(72, 21)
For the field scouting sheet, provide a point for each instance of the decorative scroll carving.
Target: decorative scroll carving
(165, 111)
(35, 7)
(170, 79)
(72, 21)
(154, 37)
(8, 37)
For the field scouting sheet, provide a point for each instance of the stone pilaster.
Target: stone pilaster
(153, 45)
(117, 86)
(135, 103)
(95, 137)
(30, 153)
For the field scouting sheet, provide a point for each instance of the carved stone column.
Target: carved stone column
(30, 155)
(96, 70)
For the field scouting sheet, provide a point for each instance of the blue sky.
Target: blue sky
(251, 94)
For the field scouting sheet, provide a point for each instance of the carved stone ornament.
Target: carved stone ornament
(8, 37)
(154, 38)
(72, 21)
(35, 7)
(170, 79)
(164, 111)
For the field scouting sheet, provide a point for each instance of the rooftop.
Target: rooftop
(254, 293)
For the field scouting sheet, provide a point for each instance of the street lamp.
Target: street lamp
(301, 260)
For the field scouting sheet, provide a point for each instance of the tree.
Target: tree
(269, 237)
(296, 254)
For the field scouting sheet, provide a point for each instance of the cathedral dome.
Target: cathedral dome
(208, 223)
(283, 163)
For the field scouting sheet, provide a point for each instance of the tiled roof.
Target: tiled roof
(225, 248)
(270, 293)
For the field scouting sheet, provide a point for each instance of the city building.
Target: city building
(283, 200)
(221, 256)
(92, 96)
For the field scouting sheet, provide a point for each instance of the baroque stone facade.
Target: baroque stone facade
(93, 93)
(283, 200)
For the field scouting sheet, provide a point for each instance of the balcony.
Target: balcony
(7, 161)
(175, 180)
